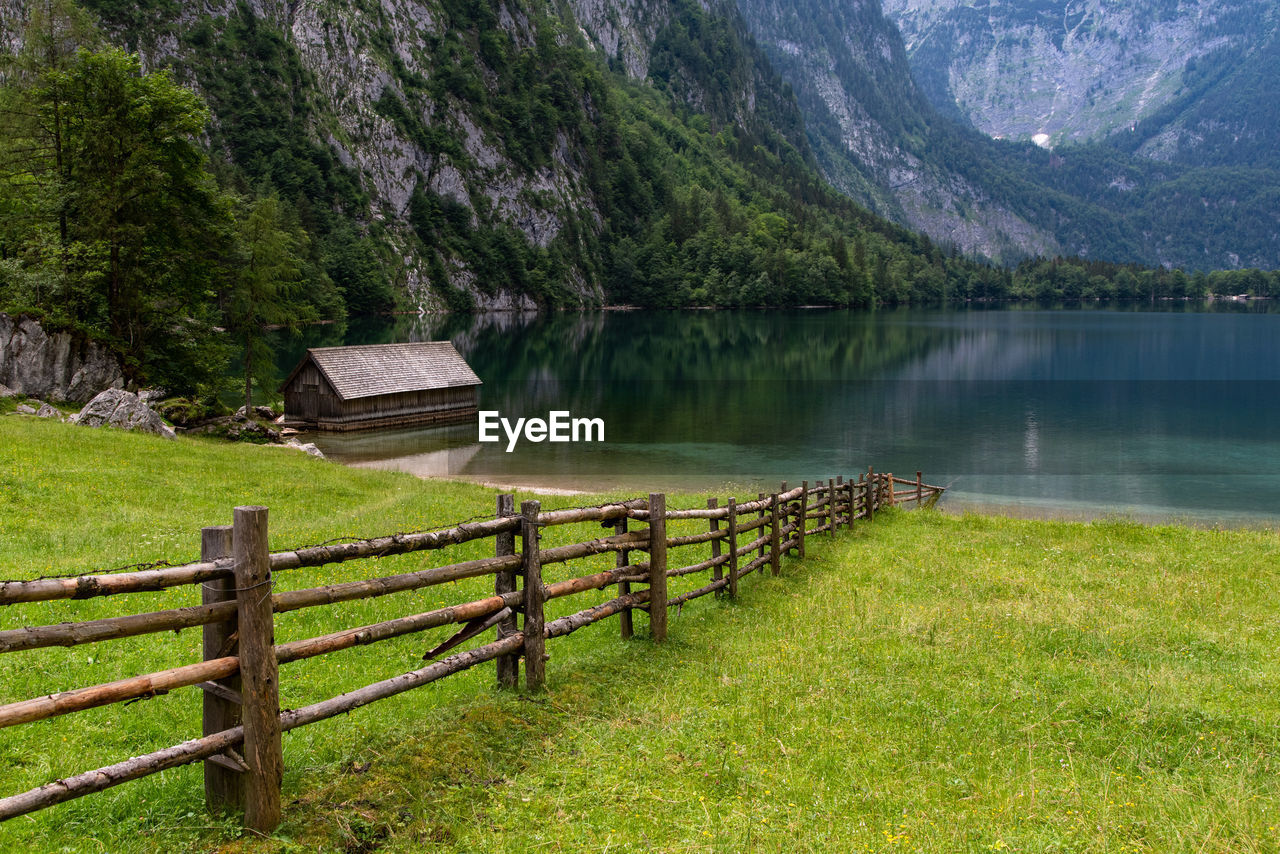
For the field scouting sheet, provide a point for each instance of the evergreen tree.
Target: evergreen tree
(262, 291)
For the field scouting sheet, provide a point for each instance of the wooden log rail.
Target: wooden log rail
(89, 586)
(252, 782)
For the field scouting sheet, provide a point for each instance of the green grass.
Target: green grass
(922, 683)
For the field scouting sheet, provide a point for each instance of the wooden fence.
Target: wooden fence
(241, 743)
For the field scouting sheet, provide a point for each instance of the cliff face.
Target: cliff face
(473, 154)
(383, 109)
(58, 366)
(1186, 176)
(869, 125)
(1067, 70)
(469, 142)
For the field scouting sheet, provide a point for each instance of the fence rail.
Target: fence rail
(242, 722)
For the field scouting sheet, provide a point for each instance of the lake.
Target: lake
(1155, 413)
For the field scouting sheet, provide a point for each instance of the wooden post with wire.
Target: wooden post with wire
(505, 582)
(760, 514)
(223, 785)
(717, 572)
(259, 672)
(535, 663)
(625, 625)
(733, 547)
(831, 507)
(871, 493)
(802, 517)
(774, 543)
(658, 566)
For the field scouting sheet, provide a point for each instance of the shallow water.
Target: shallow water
(1165, 413)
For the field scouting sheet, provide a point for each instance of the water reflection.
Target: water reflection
(1114, 409)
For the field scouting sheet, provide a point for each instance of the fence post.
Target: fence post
(853, 500)
(716, 571)
(658, 566)
(259, 673)
(535, 645)
(774, 555)
(505, 582)
(835, 505)
(784, 510)
(733, 547)
(624, 587)
(760, 530)
(804, 516)
(223, 787)
(871, 494)
(831, 507)
(919, 488)
(888, 479)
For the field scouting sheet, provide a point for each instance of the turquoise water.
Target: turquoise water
(1156, 413)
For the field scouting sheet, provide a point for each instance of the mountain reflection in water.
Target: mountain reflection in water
(1163, 413)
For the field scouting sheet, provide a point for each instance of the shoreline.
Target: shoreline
(954, 505)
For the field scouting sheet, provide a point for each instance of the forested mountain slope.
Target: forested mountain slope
(471, 153)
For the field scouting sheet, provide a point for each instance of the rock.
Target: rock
(124, 410)
(150, 396)
(23, 409)
(58, 366)
(258, 412)
(237, 428)
(48, 410)
(5, 391)
(309, 447)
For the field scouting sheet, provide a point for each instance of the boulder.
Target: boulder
(257, 412)
(48, 410)
(5, 391)
(309, 447)
(237, 428)
(24, 409)
(124, 410)
(59, 366)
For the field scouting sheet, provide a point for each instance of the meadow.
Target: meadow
(925, 682)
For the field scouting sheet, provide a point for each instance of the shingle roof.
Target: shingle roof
(373, 369)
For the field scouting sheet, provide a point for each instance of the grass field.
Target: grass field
(921, 683)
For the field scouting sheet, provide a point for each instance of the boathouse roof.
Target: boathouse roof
(369, 370)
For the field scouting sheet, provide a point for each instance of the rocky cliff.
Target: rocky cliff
(870, 125)
(464, 145)
(380, 111)
(1072, 70)
(1191, 185)
(60, 366)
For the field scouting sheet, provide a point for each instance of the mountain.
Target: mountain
(512, 154)
(1194, 185)
(524, 153)
(1062, 71)
(874, 132)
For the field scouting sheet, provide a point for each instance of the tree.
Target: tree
(110, 208)
(263, 287)
(145, 209)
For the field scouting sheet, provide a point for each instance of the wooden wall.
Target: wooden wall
(310, 398)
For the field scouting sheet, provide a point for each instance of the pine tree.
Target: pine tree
(263, 288)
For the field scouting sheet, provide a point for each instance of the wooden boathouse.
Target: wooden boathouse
(380, 385)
